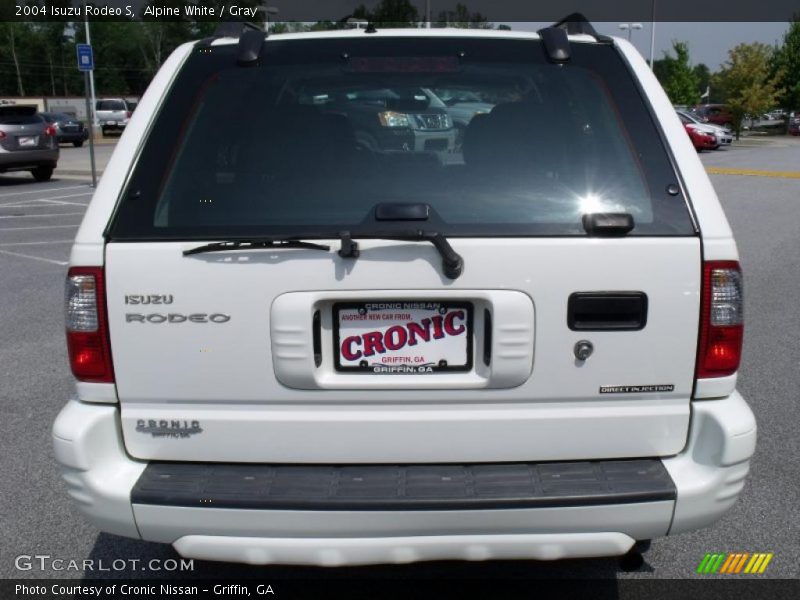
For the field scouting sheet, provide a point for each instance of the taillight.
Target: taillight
(50, 130)
(721, 320)
(2, 135)
(87, 325)
(128, 114)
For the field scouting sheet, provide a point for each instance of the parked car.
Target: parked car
(68, 128)
(113, 114)
(406, 119)
(701, 139)
(462, 106)
(794, 127)
(292, 346)
(717, 114)
(27, 142)
(723, 136)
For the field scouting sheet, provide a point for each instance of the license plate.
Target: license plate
(403, 337)
(111, 122)
(28, 141)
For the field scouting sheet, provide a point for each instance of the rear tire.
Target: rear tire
(105, 132)
(78, 144)
(42, 173)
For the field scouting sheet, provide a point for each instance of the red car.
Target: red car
(717, 114)
(701, 139)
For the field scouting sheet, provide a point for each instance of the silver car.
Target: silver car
(113, 114)
(27, 142)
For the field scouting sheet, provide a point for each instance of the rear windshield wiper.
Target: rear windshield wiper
(452, 262)
(254, 245)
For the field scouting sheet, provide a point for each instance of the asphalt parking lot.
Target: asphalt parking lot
(38, 222)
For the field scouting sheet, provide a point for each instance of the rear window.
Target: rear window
(10, 116)
(488, 133)
(110, 105)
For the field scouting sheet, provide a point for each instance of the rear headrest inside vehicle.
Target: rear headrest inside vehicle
(516, 137)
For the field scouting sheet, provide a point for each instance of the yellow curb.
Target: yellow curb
(753, 172)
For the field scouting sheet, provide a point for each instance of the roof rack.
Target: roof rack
(250, 36)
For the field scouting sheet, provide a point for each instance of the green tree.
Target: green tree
(677, 76)
(746, 83)
(786, 64)
(390, 13)
(461, 17)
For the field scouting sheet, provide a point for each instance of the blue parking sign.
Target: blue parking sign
(85, 57)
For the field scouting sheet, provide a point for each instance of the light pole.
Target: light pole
(653, 35)
(630, 27)
(269, 10)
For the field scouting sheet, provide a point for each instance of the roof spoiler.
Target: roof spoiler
(250, 36)
(575, 23)
(555, 37)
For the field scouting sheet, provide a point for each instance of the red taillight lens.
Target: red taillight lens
(50, 130)
(2, 135)
(87, 325)
(128, 114)
(721, 320)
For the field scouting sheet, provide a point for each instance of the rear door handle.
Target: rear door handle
(607, 311)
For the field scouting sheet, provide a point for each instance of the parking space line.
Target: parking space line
(54, 200)
(40, 191)
(753, 172)
(40, 227)
(39, 216)
(39, 258)
(51, 205)
(42, 243)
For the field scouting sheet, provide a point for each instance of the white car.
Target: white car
(723, 135)
(292, 349)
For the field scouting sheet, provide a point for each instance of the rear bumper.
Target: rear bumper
(708, 477)
(73, 136)
(113, 125)
(21, 160)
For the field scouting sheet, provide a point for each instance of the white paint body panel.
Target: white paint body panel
(223, 373)
(708, 474)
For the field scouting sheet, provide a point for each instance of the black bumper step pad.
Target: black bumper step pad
(403, 487)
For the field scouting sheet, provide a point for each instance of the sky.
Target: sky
(708, 42)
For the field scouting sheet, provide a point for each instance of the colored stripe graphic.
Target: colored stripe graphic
(728, 565)
(764, 564)
(734, 563)
(741, 563)
(701, 568)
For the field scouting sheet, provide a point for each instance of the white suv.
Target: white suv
(291, 348)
